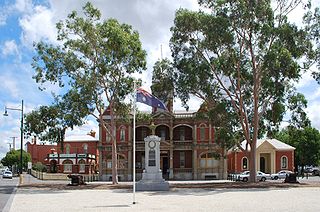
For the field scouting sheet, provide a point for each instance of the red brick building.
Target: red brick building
(80, 155)
(188, 148)
(271, 156)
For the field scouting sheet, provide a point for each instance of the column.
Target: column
(210, 133)
(171, 174)
(195, 164)
(194, 158)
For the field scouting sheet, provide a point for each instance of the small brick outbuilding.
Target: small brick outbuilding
(272, 156)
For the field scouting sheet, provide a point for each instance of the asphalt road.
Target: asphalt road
(7, 186)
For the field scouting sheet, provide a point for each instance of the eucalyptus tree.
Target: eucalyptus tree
(163, 82)
(244, 51)
(94, 62)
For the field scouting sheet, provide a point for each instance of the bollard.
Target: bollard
(20, 179)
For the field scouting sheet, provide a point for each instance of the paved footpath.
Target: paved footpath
(177, 199)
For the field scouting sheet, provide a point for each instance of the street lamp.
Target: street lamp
(21, 130)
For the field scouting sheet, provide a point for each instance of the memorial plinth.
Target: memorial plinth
(152, 175)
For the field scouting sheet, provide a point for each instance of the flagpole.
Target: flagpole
(134, 141)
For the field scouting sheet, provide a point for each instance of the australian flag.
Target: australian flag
(146, 98)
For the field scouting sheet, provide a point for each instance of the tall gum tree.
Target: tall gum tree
(94, 62)
(246, 51)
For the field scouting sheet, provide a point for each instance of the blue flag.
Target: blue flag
(145, 97)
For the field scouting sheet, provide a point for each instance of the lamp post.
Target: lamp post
(21, 131)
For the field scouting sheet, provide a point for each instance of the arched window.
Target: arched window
(68, 149)
(67, 166)
(82, 166)
(244, 163)
(209, 160)
(122, 134)
(85, 148)
(284, 162)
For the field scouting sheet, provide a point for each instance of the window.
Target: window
(152, 158)
(209, 160)
(68, 149)
(244, 163)
(108, 137)
(182, 159)
(121, 162)
(67, 166)
(82, 166)
(182, 133)
(284, 162)
(143, 133)
(202, 132)
(163, 134)
(85, 148)
(122, 134)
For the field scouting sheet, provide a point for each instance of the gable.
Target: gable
(266, 147)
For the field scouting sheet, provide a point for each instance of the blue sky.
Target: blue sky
(23, 22)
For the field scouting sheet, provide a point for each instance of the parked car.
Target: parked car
(316, 172)
(7, 174)
(244, 176)
(312, 170)
(280, 175)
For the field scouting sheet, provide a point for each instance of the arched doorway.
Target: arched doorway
(262, 164)
(53, 166)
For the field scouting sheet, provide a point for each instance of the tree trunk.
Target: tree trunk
(252, 162)
(113, 131)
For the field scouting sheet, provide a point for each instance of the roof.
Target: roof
(278, 145)
(80, 138)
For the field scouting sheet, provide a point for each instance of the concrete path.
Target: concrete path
(178, 199)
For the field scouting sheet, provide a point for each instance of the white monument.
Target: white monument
(152, 175)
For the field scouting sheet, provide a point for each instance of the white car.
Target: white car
(7, 174)
(281, 174)
(244, 176)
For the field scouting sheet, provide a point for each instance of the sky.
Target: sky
(24, 22)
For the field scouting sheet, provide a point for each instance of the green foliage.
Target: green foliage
(96, 59)
(49, 123)
(306, 141)
(94, 63)
(162, 80)
(223, 119)
(39, 167)
(243, 51)
(13, 158)
(143, 117)
(312, 20)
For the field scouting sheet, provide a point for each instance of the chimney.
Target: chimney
(34, 140)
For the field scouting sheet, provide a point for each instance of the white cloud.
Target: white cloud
(23, 6)
(38, 25)
(91, 124)
(306, 79)
(313, 113)
(10, 85)
(10, 48)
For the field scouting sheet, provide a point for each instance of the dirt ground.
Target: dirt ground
(226, 185)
